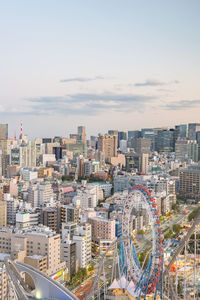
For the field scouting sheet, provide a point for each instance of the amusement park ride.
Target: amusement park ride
(129, 279)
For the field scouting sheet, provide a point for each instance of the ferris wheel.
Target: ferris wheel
(129, 277)
(149, 279)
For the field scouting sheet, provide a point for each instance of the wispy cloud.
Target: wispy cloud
(89, 104)
(82, 79)
(153, 82)
(182, 104)
(84, 104)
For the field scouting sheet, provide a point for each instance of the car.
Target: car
(81, 293)
(82, 284)
(109, 266)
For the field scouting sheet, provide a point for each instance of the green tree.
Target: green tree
(176, 228)
(90, 268)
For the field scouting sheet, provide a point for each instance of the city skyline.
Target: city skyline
(63, 65)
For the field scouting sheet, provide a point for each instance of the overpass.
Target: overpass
(45, 287)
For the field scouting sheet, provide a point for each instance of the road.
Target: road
(142, 244)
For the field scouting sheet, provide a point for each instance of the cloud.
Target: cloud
(182, 104)
(153, 82)
(89, 104)
(82, 79)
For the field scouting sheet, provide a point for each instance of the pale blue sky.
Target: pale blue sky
(107, 64)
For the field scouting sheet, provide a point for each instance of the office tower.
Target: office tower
(82, 133)
(80, 166)
(5, 148)
(186, 149)
(122, 135)
(58, 152)
(143, 163)
(190, 182)
(123, 146)
(192, 130)
(113, 132)
(3, 131)
(181, 131)
(134, 134)
(3, 213)
(198, 142)
(108, 145)
(80, 136)
(148, 133)
(141, 145)
(165, 141)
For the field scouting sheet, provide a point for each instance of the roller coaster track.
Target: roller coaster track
(182, 244)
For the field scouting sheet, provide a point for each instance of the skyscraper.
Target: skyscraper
(181, 131)
(186, 149)
(192, 130)
(82, 133)
(122, 135)
(165, 141)
(3, 131)
(108, 145)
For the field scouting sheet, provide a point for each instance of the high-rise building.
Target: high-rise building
(190, 182)
(113, 132)
(122, 135)
(102, 228)
(141, 145)
(3, 213)
(165, 140)
(192, 130)
(181, 131)
(134, 134)
(186, 149)
(82, 133)
(80, 136)
(4, 131)
(68, 254)
(48, 217)
(108, 145)
(148, 133)
(38, 194)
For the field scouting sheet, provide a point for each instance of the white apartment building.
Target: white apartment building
(39, 194)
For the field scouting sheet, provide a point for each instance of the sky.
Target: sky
(105, 64)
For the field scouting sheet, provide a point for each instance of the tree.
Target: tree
(193, 214)
(169, 234)
(90, 268)
(67, 178)
(176, 228)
